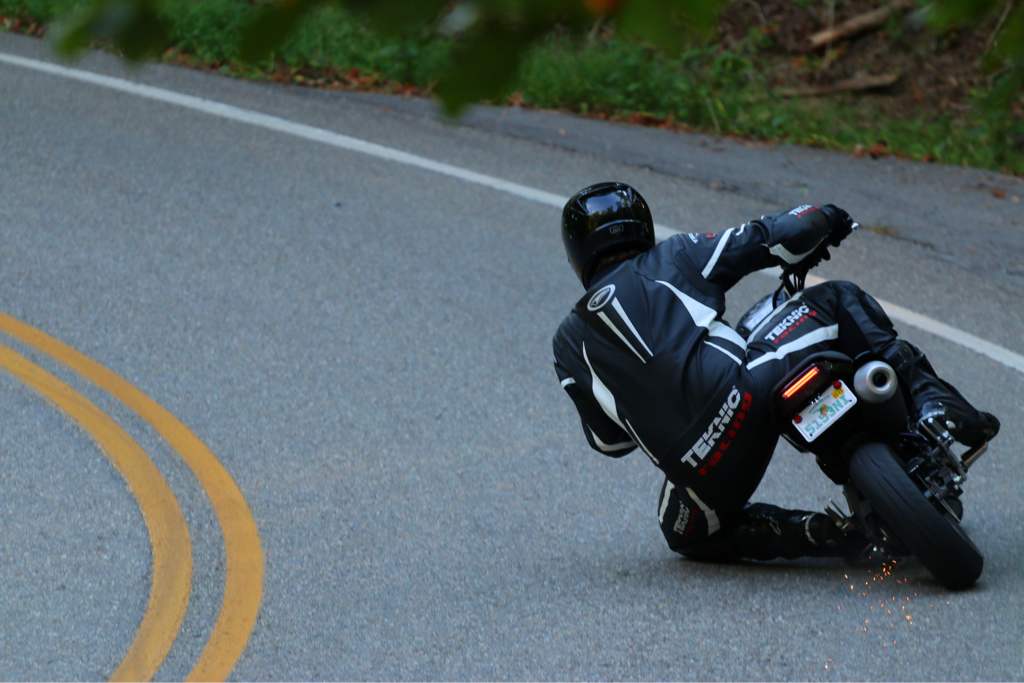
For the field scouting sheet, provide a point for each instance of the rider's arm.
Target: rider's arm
(779, 240)
(602, 434)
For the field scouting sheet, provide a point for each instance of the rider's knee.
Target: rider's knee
(853, 296)
(675, 542)
(679, 536)
(706, 549)
(846, 284)
(693, 548)
(844, 288)
(686, 533)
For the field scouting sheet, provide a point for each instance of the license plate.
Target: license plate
(824, 411)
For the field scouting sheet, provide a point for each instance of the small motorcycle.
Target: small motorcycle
(901, 480)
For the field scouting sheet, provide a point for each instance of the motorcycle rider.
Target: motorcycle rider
(648, 361)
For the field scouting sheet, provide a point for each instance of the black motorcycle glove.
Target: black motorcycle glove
(839, 223)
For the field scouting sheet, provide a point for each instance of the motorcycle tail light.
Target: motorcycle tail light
(801, 381)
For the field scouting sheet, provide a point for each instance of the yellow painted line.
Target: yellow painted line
(168, 534)
(243, 581)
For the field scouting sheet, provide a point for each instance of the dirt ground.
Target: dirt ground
(937, 70)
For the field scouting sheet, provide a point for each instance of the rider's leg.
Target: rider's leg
(704, 511)
(845, 317)
(756, 531)
(925, 390)
(933, 396)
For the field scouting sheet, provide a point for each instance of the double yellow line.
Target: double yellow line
(168, 534)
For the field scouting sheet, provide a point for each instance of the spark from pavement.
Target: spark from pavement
(885, 612)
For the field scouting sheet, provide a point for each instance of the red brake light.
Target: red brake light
(800, 382)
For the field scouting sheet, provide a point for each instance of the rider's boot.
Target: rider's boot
(831, 540)
(767, 532)
(934, 397)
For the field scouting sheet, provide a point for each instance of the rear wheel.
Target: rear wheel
(934, 537)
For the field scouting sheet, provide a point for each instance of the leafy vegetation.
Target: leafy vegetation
(607, 73)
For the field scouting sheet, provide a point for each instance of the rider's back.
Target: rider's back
(644, 343)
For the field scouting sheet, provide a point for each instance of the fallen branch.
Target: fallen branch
(859, 23)
(857, 83)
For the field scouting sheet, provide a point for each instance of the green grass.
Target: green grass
(706, 88)
(713, 90)
(329, 39)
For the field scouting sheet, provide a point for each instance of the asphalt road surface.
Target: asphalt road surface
(362, 345)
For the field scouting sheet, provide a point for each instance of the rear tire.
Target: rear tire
(934, 537)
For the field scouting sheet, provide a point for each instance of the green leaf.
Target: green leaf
(133, 26)
(397, 16)
(1005, 91)
(484, 64)
(669, 24)
(270, 25)
(949, 13)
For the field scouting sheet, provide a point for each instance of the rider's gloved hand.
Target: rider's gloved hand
(839, 223)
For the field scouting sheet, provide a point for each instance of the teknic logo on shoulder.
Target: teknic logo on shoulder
(600, 298)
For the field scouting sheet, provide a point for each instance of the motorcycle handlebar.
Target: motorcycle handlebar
(793, 277)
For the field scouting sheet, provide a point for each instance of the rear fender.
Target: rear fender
(833, 364)
(832, 448)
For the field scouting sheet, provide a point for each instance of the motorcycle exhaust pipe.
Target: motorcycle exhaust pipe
(875, 382)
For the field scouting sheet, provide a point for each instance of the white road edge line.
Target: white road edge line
(229, 112)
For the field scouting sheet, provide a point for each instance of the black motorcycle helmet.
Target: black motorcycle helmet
(602, 220)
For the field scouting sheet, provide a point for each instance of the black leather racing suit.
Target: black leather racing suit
(650, 364)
